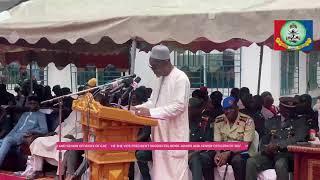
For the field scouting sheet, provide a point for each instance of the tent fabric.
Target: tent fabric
(182, 21)
(208, 46)
(62, 59)
(104, 47)
(63, 53)
(205, 45)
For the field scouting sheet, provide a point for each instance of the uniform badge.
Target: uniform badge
(249, 122)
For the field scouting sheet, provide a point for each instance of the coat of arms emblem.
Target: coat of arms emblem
(293, 34)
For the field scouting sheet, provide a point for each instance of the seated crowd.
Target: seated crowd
(243, 117)
(29, 131)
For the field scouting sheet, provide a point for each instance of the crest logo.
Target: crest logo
(293, 35)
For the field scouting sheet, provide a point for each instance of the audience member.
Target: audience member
(57, 90)
(200, 162)
(242, 129)
(235, 93)
(316, 108)
(244, 94)
(47, 93)
(5, 123)
(274, 153)
(6, 98)
(304, 108)
(216, 99)
(253, 108)
(44, 148)
(30, 122)
(80, 88)
(268, 109)
(20, 98)
(200, 94)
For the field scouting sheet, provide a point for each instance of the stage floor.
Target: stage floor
(7, 175)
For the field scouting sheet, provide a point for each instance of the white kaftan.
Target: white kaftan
(169, 101)
(46, 146)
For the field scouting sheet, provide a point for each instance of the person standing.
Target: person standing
(168, 102)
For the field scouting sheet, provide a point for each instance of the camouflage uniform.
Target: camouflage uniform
(243, 129)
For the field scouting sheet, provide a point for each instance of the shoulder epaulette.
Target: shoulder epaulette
(219, 119)
(243, 117)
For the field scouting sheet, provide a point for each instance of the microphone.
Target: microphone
(123, 83)
(132, 87)
(117, 82)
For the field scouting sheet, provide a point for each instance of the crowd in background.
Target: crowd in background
(276, 126)
(26, 127)
(207, 112)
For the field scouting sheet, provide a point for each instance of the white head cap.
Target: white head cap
(160, 52)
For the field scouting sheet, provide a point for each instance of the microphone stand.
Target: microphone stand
(60, 134)
(83, 91)
(129, 101)
(60, 102)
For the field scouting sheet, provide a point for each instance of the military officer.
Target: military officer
(233, 126)
(200, 162)
(283, 130)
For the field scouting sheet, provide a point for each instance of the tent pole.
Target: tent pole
(133, 55)
(307, 74)
(260, 69)
(31, 79)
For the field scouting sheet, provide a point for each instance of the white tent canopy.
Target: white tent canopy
(153, 21)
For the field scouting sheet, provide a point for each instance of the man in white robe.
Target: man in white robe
(169, 103)
(44, 148)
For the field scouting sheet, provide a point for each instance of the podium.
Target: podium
(107, 124)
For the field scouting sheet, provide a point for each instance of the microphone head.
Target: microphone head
(127, 82)
(137, 80)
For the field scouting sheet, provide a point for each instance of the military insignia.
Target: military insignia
(241, 134)
(243, 118)
(293, 35)
(249, 122)
(219, 119)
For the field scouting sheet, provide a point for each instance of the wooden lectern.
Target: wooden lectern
(109, 125)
